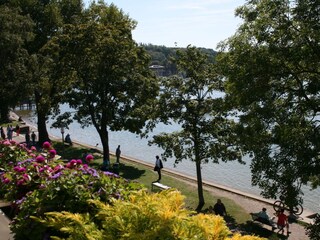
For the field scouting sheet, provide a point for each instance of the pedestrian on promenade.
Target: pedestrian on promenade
(158, 166)
(33, 138)
(3, 135)
(9, 132)
(118, 152)
(17, 130)
(282, 222)
(219, 208)
(27, 137)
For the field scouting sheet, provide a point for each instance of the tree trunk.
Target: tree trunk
(200, 188)
(104, 136)
(4, 110)
(42, 128)
(42, 118)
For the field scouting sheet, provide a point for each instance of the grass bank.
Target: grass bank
(145, 175)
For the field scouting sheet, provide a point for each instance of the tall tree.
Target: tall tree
(194, 101)
(113, 82)
(49, 18)
(15, 32)
(272, 65)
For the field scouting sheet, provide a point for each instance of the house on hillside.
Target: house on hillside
(159, 70)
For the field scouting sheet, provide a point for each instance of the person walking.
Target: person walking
(118, 153)
(158, 166)
(27, 137)
(33, 137)
(9, 132)
(282, 222)
(3, 135)
(17, 129)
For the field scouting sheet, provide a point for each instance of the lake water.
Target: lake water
(231, 174)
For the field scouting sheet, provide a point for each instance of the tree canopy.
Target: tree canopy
(42, 68)
(113, 83)
(194, 101)
(272, 67)
(15, 32)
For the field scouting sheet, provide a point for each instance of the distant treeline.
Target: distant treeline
(162, 55)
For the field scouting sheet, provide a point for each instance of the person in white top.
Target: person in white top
(158, 166)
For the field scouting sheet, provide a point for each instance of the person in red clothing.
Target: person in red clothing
(282, 222)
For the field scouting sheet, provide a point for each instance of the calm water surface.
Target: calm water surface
(231, 174)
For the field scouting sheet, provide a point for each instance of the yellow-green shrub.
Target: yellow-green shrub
(143, 216)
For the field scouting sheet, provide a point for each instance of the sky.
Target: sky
(178, 23)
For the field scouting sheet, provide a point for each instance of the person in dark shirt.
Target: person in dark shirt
(219, 208)
(118, 152)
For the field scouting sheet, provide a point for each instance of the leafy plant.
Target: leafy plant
(37, 183)
(143, 215)
(313, 230)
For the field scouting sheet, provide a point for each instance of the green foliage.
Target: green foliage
(113, 84)
(37, 183)
(44, 64)
(143, 215)
(15, 33)
(272, 69)
(313, 230)
(195, 102)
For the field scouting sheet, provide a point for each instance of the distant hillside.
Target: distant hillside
(161, 56)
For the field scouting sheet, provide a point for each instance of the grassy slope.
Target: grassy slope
(145, 176)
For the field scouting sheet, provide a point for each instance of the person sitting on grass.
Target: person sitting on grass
(68, 139)
(219, 208)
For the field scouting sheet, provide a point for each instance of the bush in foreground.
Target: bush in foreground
(143, 216)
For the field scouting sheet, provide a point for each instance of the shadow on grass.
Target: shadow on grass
(130, 172)
(68, 152)
(257, 229)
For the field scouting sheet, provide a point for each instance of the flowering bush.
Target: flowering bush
(37, 183)
(25, 170)
(11, 152)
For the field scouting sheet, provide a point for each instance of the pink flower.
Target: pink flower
(6, 142)
(16, 169)
(40, 159)
(89, 158)
(57, 168)
(46, 145)
(20, 182)
(22, 169)
(26, 177)
(79, 161)
(33, 148)
(6, 180)
(73, 162)
(52, 153)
